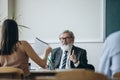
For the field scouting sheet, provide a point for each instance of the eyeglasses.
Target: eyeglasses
(65, 38)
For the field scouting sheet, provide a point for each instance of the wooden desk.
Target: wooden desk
(43, 72)
(46, 72)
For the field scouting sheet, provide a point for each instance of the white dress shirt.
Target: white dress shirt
(68, 60)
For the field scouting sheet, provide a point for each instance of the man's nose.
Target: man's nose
(64, 42)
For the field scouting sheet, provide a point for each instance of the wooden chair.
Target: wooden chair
(11, 73)
(116, 75)
(80, 75)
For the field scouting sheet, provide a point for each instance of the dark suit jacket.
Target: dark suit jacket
(79, 52)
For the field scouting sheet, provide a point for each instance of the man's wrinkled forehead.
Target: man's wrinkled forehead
(62, 35)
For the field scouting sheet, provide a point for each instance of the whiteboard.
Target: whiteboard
(48, 18)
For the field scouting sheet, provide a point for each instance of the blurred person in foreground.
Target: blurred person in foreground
(110, 60)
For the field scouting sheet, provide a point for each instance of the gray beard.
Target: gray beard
(66, 47)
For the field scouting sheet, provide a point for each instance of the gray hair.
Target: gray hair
(70, 33)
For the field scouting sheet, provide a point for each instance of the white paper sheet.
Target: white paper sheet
(39, 46)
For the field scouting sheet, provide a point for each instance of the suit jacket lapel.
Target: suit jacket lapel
(59, 55)
(71, 63)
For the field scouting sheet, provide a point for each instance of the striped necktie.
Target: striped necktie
(64, 60)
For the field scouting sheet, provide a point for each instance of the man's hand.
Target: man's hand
(73, 57)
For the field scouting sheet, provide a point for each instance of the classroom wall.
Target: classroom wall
(48, 18)
(3, 10)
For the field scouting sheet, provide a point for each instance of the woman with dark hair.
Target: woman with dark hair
(15, 53)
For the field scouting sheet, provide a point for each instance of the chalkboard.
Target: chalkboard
(112, 16)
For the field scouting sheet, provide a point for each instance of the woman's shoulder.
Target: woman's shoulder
(23, 42)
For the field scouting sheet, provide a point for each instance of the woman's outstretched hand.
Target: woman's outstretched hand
(48, 50)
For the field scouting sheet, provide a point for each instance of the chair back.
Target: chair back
(11, 73)
(116, 75)
(80, 74)
(90, 67)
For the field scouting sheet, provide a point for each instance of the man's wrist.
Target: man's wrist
(75, 61)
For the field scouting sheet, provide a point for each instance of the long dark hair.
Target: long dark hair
(9, 36)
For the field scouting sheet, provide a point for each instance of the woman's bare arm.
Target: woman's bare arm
(33, 55)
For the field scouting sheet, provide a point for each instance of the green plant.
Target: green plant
(14, 18)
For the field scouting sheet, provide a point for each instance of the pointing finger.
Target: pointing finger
(72, 52)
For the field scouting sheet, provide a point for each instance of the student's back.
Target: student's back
(18, 58)
(15, 53)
